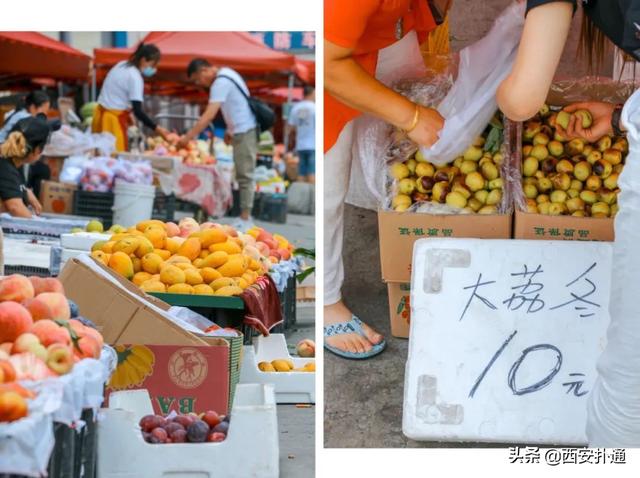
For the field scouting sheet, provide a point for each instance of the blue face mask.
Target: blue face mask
(149, 71)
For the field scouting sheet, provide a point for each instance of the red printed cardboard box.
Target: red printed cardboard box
(181, 370)
(184, 379)
(57, 197)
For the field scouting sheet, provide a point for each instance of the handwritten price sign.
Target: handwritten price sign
(504, 339)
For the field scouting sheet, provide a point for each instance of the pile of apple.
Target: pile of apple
(185, 428)
(189, 258)
(562, 177)
(195, 153)
(41, 334)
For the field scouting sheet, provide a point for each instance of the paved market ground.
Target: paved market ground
(296, 426)
(363, 399)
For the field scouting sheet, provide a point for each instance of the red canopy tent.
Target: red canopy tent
(32, 54)
(236, 50)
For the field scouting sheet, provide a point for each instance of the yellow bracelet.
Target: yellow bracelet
(414, 123)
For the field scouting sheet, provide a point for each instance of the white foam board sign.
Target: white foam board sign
(504, 339)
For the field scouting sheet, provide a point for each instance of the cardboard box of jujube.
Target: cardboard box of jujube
(567, 189)
(473, 182)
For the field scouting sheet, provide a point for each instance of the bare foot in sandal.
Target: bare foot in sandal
(350, 342)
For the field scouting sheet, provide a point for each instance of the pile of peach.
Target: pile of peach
(38, 334)
(188, 258)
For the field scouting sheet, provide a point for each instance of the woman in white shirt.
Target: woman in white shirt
(123, 88)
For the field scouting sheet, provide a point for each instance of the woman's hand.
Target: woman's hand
(33, 202)
(601, 113)
(430, 122)
(164, 132)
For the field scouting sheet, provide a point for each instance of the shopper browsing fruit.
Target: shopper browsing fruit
(122, 90)
(367, 44)
(302, 123)
(23, 146)
(613, 414)
(525, 89)
(229, 93)
(36, 103)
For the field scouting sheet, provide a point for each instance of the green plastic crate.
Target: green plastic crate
(193, 300)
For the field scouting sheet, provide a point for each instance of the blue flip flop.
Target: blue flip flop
(353, 326)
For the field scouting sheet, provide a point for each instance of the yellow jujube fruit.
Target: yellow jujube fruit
(202, 289)
(209, 274)
(140, 277)
(222, 282)
(229, 291)
(215, 259)
(152, 263)
(190, 248)
(193, 277)
(229, 247)
(180, 289)
(170, 275)
(121, 263)
(153, 286)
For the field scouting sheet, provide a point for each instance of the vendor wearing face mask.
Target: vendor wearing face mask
(123, 88)
(23, 146)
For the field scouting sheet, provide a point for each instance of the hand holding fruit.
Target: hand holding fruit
(589, 121)
(165, 133)
(430, 122)
(183, 142)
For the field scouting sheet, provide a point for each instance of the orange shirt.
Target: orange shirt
(366, 26)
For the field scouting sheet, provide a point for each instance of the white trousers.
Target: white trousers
(397, 61)
(613, 418)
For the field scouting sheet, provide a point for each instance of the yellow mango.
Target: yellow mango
(229, 291)
(162, 253)
(232, 268)
(266, 367)
(157, 236)
(180, 289)
(152, 263)
(171, 245)
(190, 248)
(222, 282)
(121, 263)
(209, 274)
(140, 277)
(208, 237)
(144, 247)
(215, 259)
(128, 245)
(229, 247)
(170, 274)
(153, 285)
(193, 277)
(202, 289)
(108, 246)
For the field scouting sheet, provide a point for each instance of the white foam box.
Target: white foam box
(25, 253)
(290, 387)
(513, 359)
(82, 241)
(250, 451)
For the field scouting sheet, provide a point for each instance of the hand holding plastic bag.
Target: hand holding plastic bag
(471, 102)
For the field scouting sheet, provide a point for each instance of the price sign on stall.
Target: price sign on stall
(504, 339)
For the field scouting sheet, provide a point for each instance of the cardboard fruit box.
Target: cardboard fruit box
(180, 367)
(539, 226)
(57, 197)
(399, 308)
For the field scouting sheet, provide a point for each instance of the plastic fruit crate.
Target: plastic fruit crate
(250, 449)
(273, 208)
(94, 204)
(290, 387)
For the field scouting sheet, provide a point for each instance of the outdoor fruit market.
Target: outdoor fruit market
(156, 282)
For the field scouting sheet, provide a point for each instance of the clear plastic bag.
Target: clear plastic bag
(72, 169)
(98, 175)
(68, 141)
(471, 102)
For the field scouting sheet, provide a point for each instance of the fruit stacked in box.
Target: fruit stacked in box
(196, 152)
(285, 365)
(41, 336)
(188, 258)
(185, 428)
(569, 177)
(472, 182)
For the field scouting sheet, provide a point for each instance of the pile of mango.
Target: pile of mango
(285, 365)
(188, 258)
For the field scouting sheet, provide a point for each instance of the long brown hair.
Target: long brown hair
(593, 44)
